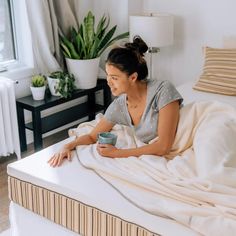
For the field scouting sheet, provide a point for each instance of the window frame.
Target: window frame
(4, 64)
(23, 64)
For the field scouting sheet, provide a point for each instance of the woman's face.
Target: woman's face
(117, 80)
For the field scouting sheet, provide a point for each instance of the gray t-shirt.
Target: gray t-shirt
(159, 94)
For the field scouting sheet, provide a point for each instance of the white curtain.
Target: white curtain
(46, 19)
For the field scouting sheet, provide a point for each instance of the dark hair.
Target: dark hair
(130, 58)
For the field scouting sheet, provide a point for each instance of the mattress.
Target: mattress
(77, 199)
(191, 95)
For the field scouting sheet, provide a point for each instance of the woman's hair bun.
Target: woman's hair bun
(138, 45)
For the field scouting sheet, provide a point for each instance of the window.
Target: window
(7, 36)
(16, 53)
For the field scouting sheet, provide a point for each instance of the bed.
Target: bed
(191, 95)
(73, 200)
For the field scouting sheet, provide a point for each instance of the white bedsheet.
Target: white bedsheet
(196, 188)
(74, 181)
(191, 95)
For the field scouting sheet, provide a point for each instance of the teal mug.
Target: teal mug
(107, 138)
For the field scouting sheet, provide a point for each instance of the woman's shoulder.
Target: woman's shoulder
(164, 92)
(155, 83)
(155, 86)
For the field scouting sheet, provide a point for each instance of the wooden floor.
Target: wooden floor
(4, 161)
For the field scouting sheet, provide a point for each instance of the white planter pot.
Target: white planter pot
(53, 83)
(38, 92)
(85, 72)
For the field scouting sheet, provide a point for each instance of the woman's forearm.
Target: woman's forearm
(82, 140)
(155, 148)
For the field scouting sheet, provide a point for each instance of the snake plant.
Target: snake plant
(88, 42)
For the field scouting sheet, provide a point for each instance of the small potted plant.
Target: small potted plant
(53, 81)
(61, 84)
(38, 87)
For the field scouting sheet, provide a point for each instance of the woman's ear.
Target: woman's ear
(134, 76)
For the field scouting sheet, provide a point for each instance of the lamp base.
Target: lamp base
(152, 50)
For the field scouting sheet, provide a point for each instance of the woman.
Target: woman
(150, 107)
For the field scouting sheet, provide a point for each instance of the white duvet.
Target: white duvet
(197, 187)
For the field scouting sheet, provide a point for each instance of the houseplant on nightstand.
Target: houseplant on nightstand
(61, 84)
(82, 49)
(38, 87)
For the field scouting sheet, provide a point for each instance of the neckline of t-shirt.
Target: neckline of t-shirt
(127, 110)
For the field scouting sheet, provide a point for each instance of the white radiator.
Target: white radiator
(9, 135)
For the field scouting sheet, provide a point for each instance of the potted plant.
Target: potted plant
(38, 87)
(61, 84)
(82, 48)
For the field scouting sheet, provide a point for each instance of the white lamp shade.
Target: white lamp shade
(156, 30)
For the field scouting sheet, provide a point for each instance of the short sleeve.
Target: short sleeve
(115, 113)
(166, 94)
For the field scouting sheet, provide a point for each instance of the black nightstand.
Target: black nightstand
(40, 125)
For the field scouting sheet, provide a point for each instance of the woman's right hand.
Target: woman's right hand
(58, 158)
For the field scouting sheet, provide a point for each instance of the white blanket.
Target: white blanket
(197, 187)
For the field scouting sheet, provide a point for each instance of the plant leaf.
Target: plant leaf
(78, 44)
(73, 34)
(70, 46)
(107, 24)
(89, 26)
(100, 26)
(65, 50)
(94, 48)
(104, 27)
(83, 47)
(118, 37)
(107, 38)
(84, 29)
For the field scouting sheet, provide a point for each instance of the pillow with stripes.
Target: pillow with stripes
(219, 72)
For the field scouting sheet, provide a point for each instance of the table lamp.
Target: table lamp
(156, 29)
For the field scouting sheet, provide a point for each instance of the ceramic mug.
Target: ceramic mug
(107, 138)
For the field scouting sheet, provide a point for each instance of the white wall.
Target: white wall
(197, 23)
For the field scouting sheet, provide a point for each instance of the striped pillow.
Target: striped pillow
(219, 72)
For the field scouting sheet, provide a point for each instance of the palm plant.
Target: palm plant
(88, 42)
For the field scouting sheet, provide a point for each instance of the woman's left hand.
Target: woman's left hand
(106, 150)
